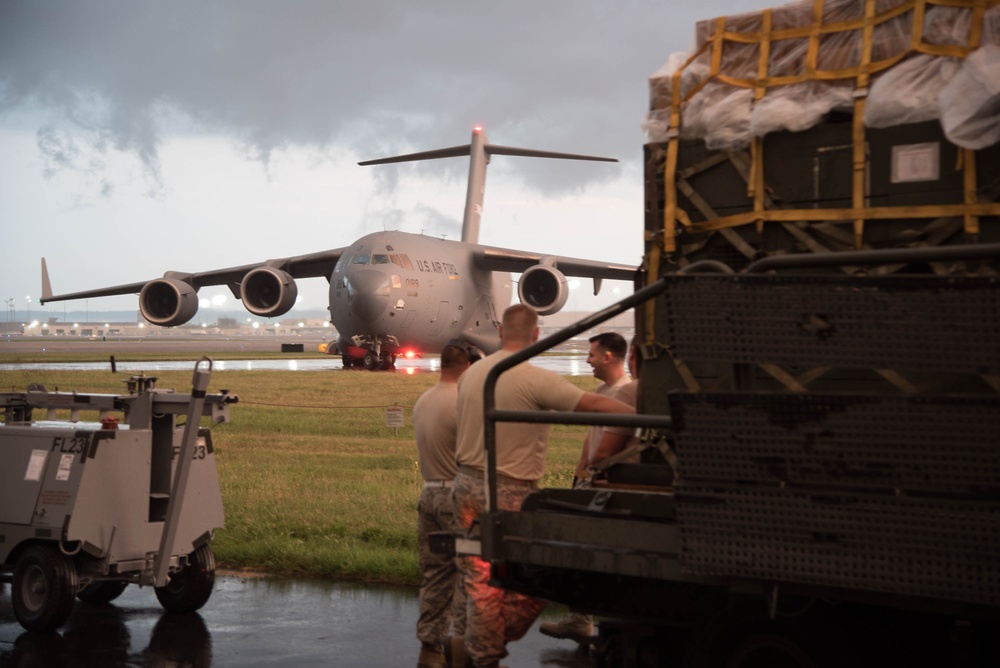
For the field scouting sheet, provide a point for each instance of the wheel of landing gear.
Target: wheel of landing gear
(101, 592)
(387, 362)
(190, 588)
(371, 360)
(348, 362)
(44, 588)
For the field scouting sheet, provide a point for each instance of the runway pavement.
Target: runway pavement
(152, 344)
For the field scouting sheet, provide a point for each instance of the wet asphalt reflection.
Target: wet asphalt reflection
(251, 622)
(567, 365)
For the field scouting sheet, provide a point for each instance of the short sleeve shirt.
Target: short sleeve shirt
(595, 433)
(435, 419)
(521, 448)
(627, 394)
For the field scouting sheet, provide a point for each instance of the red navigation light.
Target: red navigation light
(477, 129)
(409, 354)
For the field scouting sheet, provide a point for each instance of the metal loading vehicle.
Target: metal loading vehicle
(849, 523)
(87, 508)
(819, 320)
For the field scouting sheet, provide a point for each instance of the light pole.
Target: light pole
(27, 298)
(11, 309)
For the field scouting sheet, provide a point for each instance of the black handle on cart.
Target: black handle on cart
(199, 388)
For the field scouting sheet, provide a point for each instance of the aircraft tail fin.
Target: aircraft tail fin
(46, 285)
(479, 151)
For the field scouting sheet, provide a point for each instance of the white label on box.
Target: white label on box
(65, 465)
(915, 162)
(36, 465)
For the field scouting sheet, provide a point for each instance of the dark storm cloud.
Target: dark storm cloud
(59, 150)
(373, 77)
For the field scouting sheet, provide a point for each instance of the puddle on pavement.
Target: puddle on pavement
(252, 621)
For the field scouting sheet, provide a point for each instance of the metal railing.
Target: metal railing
(492, 415)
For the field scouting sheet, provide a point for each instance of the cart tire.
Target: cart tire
(190, 588)
(44, 589)
(101, 592)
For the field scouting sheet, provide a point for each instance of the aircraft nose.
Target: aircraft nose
(368, 293)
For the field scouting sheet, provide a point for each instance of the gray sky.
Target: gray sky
(140, 137)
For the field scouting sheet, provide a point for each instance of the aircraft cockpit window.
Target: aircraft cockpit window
(395, 260)
(380, 259)
(342, 262)
(363, 258)
(406, 262)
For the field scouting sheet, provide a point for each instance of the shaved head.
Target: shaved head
(520, 325)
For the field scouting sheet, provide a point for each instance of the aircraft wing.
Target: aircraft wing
(302, 266)
(505, 259)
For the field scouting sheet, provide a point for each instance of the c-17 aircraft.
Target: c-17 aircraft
(391, 293)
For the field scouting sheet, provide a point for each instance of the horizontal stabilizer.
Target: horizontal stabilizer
(490, 149)
(532, 153)
(479, 151)
(453, 152)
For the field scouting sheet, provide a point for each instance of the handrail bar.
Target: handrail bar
(491, 415)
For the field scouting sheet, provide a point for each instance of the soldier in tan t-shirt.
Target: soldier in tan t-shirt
(442, 594)
(494, 617)
(607, 358)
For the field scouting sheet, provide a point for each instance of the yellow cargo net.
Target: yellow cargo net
(818, 30)
(766, 40)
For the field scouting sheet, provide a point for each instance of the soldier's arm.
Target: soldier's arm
(596, 403)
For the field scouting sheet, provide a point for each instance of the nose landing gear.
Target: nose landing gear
(367, 353)
(374, 362)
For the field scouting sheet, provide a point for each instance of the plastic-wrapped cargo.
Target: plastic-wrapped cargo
(788, 68)
(827, 125)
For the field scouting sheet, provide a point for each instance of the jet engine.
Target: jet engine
(168, 302)
(268, 292)
(543, 288)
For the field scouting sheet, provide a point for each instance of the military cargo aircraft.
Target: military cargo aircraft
(391, 292)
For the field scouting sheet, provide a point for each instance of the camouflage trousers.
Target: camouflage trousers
(494, 616)
(442, 596)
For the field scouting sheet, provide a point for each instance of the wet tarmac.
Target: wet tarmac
(251, 622)
(567, 365)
